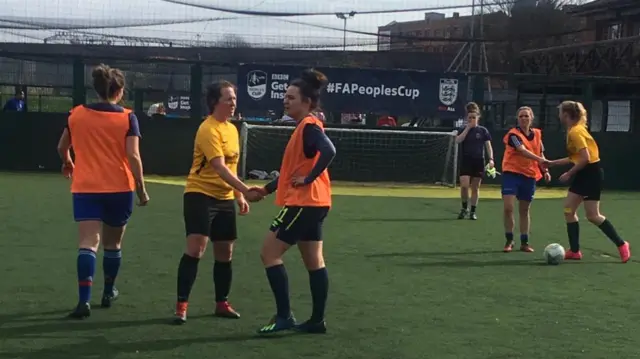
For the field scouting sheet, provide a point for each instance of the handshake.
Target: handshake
(545, 163)
(256, 194)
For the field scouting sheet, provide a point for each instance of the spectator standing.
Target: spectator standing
(16, 104)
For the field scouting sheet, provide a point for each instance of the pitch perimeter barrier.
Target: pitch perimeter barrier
(28, 143)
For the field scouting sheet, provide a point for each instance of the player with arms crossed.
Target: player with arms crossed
(586, 181)
(521, 169)
(304, 192)
(106, 172)
(474, 139)
(208, 204)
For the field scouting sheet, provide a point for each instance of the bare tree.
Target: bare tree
(507, 7)
(232, 40)
(535, 23)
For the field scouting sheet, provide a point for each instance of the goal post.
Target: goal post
(363, 155)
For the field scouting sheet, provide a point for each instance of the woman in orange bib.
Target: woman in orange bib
(105, 173)
(523, 155)
(304, 193)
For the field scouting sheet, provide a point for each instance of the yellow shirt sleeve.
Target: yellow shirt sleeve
(210, 143)
(577, 140)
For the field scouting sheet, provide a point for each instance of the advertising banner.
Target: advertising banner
(396, 92)
(178, 105)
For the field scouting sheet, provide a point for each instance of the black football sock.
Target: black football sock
(279, 282)
(465, 205)
(473, 209)
(319, 283)
(573, 232)
(187, 272)
(607, 228)
(222, 275)
(509, 237)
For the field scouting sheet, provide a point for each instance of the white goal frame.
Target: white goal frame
(451, 155)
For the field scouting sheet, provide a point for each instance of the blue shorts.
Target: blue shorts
(113, 209)
(514, 184)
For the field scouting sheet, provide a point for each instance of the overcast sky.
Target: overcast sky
(254, 29)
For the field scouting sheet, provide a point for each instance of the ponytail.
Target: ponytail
(582, 113)
(576, 111)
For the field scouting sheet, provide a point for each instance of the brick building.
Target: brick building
(554, 27)
(610, 19)
(434, 25)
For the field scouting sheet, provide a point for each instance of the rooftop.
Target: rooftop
(604, 5)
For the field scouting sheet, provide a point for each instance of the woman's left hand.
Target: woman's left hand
(298, 181)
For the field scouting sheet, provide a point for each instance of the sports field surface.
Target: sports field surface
(408, 281)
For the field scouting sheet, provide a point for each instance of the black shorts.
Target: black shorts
(472, 167)
(293, 224)
(587, 182)
(208, 216)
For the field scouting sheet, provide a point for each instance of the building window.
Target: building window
(613, 32)
(619, 116)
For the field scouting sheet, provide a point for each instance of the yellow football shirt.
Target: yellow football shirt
(213, 139)
(578, 137)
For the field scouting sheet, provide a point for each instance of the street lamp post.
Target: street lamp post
(344, 17)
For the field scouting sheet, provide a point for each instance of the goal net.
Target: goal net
(363, 155)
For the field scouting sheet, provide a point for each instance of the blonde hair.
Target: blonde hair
(575, 110)
(473, 107)
(525, 108)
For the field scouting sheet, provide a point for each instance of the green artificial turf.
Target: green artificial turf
(408, 281)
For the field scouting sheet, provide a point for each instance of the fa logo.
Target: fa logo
(448, 91)
(173, 102)
(257, 84)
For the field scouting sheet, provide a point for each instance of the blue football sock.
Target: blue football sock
(524, 238)
(110, 267)
(86, 268)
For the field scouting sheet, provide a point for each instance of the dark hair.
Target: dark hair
(311, 83)
(473, 107)
(214, 93)
(107, 81)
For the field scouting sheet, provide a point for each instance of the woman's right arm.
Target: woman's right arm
(462, 135)
(64, 145)
(211, 145)
(225, 173)
(515, 143)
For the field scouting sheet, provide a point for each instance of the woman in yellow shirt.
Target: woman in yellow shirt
(209, 204)
(586, 180)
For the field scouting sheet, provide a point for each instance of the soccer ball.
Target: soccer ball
(554, 253)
